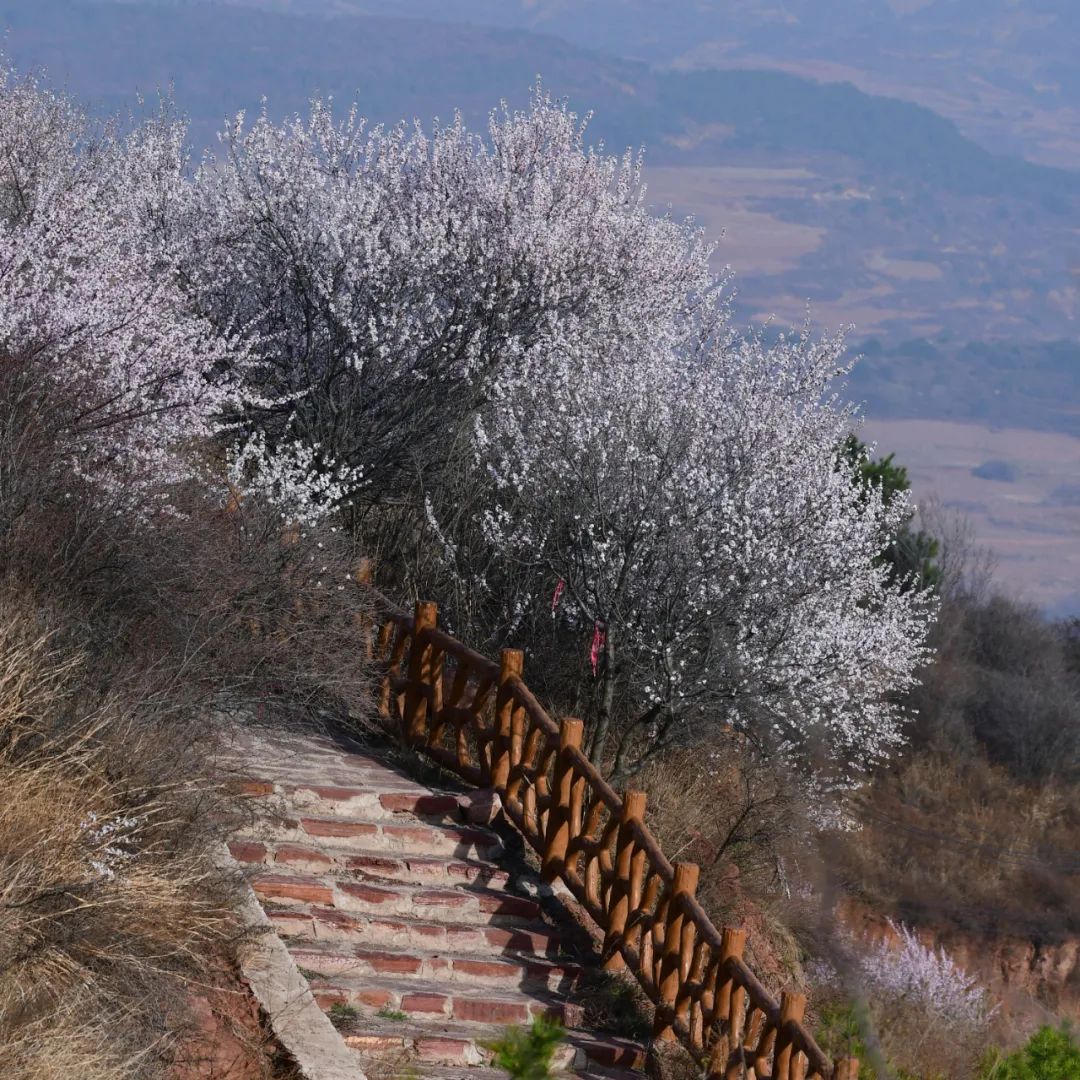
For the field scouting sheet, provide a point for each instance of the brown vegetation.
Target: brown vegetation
(963, 844)
(108, 895)
(126, 631)
(746, 824)
(978, 825)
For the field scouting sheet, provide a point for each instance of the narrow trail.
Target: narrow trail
(419, 934)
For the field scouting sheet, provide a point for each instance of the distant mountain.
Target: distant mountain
(876, 162)
(876, 210)
(220, 58)
(1005, 70)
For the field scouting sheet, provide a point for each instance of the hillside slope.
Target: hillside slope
(1004, 71)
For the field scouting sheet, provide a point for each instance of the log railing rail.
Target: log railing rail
(478, 719)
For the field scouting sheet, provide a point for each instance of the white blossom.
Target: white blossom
(908, 971)
(389, 281)
(494, 337)
(110, 842)
(692, 502)
(84, 290)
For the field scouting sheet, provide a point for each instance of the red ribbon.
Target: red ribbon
(598, 640)
(558, 594)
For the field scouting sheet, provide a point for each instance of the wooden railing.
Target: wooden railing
(478, 719)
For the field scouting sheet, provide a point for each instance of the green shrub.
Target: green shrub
(341, 1015)
(525, 1053)
(1050, 1054)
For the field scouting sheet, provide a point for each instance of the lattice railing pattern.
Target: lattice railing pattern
(478, 719)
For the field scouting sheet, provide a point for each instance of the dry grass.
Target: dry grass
(900, 1040)
(958, 842)
(107, 891)
(739, 817)
(978, 861)
(127, 635)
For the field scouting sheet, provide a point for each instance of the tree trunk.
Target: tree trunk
(607, 700)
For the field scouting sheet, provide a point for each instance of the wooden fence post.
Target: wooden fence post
(511, 663)
(792, 1008)
(846, 1069)
(683, 885)
(421, 673)
(726, 1057)
(557, 839)
(633, 812)
(363, 620)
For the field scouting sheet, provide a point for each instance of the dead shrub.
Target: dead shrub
(107, 890)
(744, 820)
(739, 816)
(897, 1038)
(961, 843)
(209, 600)
(128, 630)
(614, 1002)
(1004, 686)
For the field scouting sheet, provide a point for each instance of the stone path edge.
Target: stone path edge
(296, 1019)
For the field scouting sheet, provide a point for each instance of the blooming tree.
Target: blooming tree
(685, 512)
(90, 303)
(387, 280)
(912, 971)
(493, 339)
(904, 970)
(497, 338)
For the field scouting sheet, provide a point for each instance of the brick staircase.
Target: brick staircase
(419, 934)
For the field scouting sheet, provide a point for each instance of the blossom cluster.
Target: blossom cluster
(85, 291)
(109, 840)
(908, 971)
(387, 282)
(692, 505)
(493, 335)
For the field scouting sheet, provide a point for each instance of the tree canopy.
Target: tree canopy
(488, 346)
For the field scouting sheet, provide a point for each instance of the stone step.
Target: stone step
(460, 969)
(310, 761)
(377, 800)
(441, 1042)
(437, 870)
(414, 938)
(314, 921)
(609, 1055)
(469, 906)
(439, 1001)
(407, 1043)
(405, 837)
(405, 1069)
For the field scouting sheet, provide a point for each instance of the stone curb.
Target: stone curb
(296, 1019)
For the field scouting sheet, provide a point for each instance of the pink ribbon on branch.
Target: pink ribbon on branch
(599, 638)
(559, 589)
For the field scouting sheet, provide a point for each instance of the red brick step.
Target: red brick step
(322, 923)
(373, 865)
(389, 902)
(438, 1000)
(402, 836)
(483, 969)
(466, 905)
